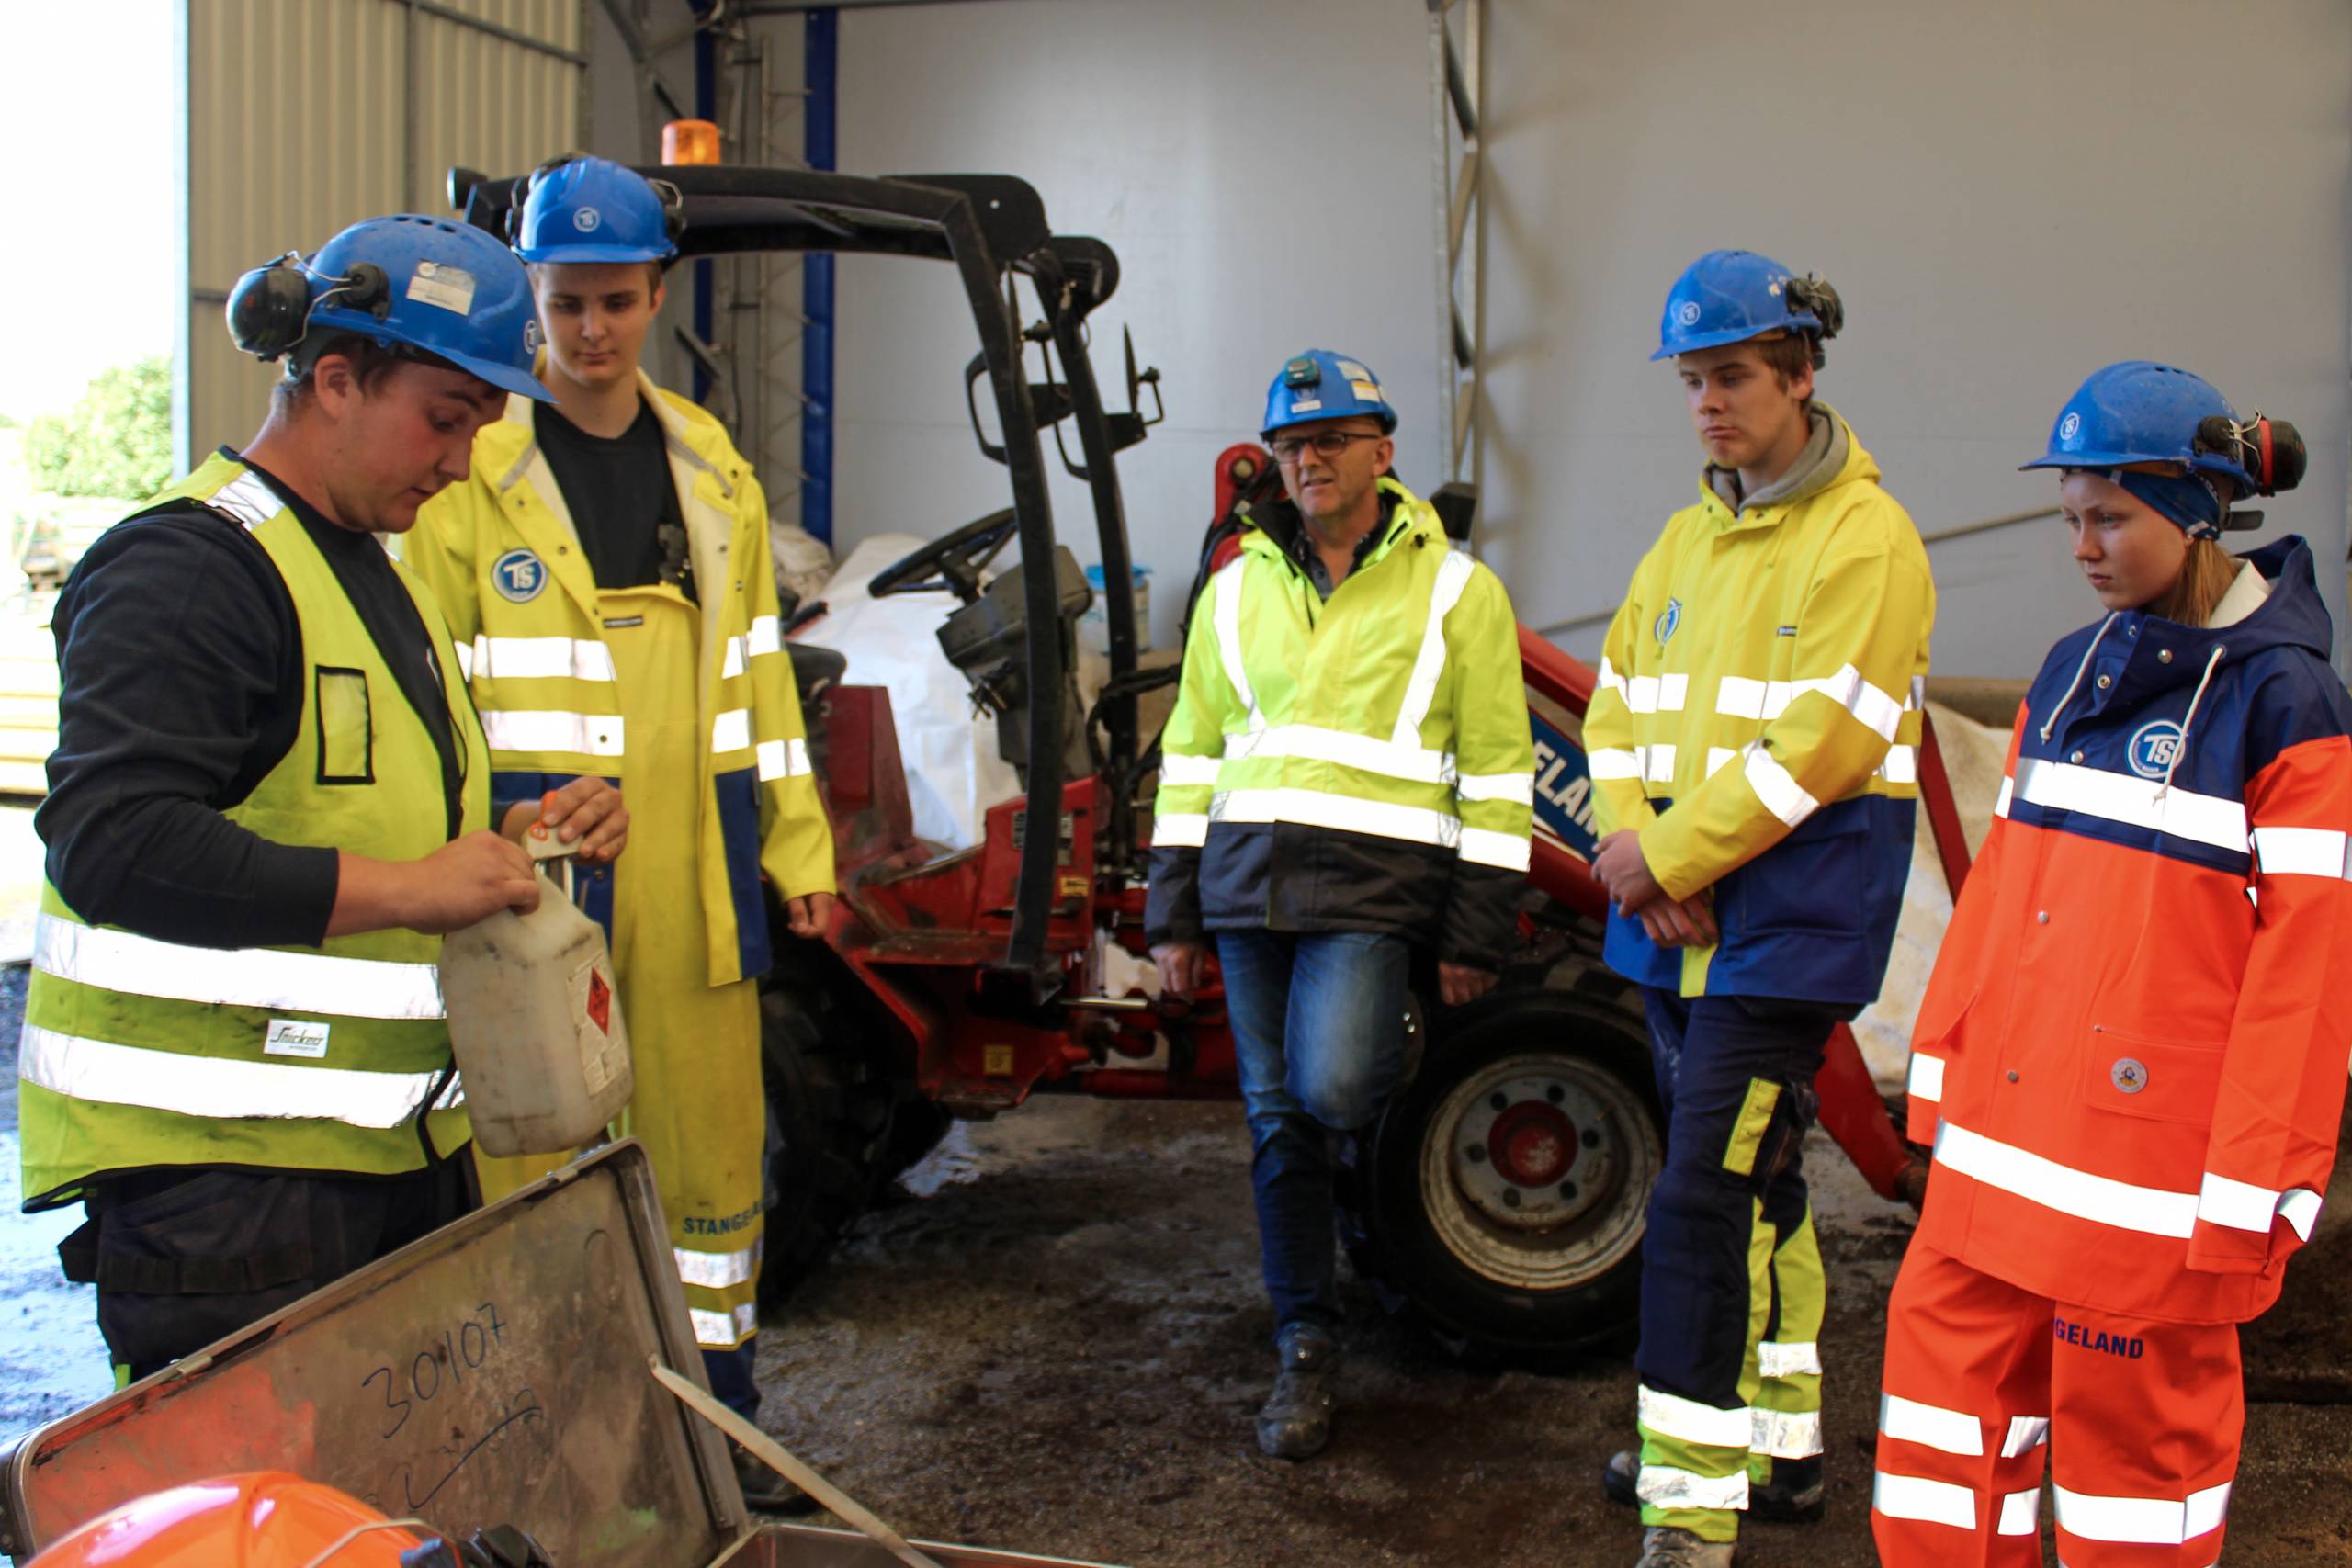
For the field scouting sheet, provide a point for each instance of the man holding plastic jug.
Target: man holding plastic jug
(608, 576)
(268, 799)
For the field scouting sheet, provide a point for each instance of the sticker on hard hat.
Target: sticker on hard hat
(2070, 427)
(1353, 371)
(1668, 620)
(1304, 405)
(587, 220)
(519, 576)
(2154, 747)
(1366, 392)
(438, 283)
(531, 338)
(1688, 313)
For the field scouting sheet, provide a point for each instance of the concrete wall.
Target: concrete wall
(2007, 193)
(1263, 172)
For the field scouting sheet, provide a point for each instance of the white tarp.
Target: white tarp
(1972, 757)
(953, 774)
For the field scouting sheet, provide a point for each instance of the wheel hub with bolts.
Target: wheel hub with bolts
(1520, 1145)
(1535, 1169)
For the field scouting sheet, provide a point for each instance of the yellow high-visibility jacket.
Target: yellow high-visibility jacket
(501, 553)
(1758, 721)
(1361, 762)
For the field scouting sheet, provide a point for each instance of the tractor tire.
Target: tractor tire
(830, 1126)
(1500, 1202)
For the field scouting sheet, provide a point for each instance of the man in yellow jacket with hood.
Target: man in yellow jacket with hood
(1753, 745)
(607, 574)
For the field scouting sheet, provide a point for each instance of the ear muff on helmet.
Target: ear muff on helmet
(1814, 293)
(2271, 451)
(269, 309)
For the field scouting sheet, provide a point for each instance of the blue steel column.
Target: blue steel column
(705, 275)
(821, 59)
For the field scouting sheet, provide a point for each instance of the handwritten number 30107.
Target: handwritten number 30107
(463, 1348)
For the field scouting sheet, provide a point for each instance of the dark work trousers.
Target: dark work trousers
(1719, 1061)
(733, 1378)
(185, 1256)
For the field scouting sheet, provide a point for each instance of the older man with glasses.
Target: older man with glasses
(1348, 776)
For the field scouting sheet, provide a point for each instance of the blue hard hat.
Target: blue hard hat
(2139, 412)
(592, 210)
(1732, 296)
(443, 289)
(1319, 384)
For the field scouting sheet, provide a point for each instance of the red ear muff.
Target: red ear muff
(2278, 448)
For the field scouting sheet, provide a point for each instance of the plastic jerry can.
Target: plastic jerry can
(535, 1021)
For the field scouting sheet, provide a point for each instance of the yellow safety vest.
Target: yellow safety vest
(140, 1052)
(501, 553)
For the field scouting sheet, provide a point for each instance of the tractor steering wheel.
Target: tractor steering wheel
(953, 561)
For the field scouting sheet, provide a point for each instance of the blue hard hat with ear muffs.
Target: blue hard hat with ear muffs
(432, 289)
(582, 208)
(1731, 296)
(1319, 384)
(2138, 410)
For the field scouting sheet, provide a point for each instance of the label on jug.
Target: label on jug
(602, 1052)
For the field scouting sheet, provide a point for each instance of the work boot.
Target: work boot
(1663, 1546)
(763, 1489)
(1794, 1495)
(1296, 1421)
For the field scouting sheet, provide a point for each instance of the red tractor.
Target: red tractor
(1500, 1199)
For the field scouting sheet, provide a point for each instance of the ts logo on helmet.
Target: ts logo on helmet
(531, 336)
(587, 220)
(1667, 620)
(519, 576)
(2154, 747)
(2070, 427)
(1688, 313)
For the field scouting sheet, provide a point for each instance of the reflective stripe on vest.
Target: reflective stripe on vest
(213, 1087)
(275, 978)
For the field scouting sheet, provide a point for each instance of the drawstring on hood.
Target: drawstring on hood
(2076, 684)
(2180, 748)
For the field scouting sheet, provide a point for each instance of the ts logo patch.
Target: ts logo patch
(2154, 747)
(1668, 620)
(1687, 312)
(587, 220)
(531, 338)
(519, 576)
(2070, 427)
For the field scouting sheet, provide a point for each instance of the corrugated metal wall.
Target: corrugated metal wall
(304, 116)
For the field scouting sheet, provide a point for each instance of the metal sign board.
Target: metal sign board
(493, 1372)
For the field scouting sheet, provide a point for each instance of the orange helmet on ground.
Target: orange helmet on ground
(265, 1519)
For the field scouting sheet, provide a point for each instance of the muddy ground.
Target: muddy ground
(1061, 1348)
(1056, 1340)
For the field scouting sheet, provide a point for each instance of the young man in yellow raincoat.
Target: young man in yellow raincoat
(608, 580)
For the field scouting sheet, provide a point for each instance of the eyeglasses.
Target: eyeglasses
(1325, 442)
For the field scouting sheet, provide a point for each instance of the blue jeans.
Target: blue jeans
(1318, 1027)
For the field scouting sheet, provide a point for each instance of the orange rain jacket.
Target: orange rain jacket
(2132, 1057)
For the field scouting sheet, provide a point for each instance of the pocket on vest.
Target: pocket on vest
(347, 727)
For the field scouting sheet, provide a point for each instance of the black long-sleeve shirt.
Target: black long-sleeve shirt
(181, 666)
